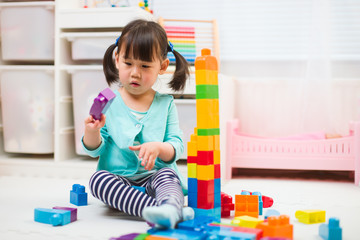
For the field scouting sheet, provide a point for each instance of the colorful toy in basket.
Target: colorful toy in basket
(102, 103)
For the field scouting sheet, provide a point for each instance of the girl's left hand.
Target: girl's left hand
(148, 152)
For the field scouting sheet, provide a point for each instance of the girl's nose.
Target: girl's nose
(135, 72)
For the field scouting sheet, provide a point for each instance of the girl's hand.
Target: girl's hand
(93, 125)
(148, 152)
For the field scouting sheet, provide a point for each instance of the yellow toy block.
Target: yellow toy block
(205, 143)
(207, 120)
(207, 106)
(205, 172)
(192, 170)
(216, 142)
(246, 221)
(192, 149)
(310, 216)
(203, 77)
(216, 156)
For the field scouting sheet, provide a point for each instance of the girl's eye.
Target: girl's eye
(128, 63)
(145, 66)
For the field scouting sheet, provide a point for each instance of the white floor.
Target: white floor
(19, 195)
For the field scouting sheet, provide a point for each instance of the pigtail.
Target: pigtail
(109, 67)
(181, 74)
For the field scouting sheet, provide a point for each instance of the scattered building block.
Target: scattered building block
(54, 217)
(246, 221)
(129, 236)
(310, 216)
(102, 103)
(271, 212)
(331, 231)
(246, 205)
(78, 196)
(197, 223)
(277, 227)
(176, 234)
(141, 189)
(73, 212)
(226, 205)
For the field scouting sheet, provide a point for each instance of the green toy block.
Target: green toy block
(207, 91)
(208, 132)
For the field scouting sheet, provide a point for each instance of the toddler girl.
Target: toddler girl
(139, 140)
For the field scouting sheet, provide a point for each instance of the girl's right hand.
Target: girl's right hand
(94, 125)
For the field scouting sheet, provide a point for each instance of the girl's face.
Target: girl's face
(137, 76)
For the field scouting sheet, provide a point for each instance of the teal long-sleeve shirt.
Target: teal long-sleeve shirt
(160, 124)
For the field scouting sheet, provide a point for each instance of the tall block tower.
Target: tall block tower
(203, 160)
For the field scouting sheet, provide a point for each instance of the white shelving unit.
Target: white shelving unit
(71, 22)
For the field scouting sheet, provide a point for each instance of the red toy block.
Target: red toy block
(205, 157)
(205, 201)
(205, 186)
(226, 205)
(267, 201)
(277, 227)
(247, 205)
(191, 159)
(217, 170)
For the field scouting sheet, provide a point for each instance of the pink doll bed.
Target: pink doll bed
(342, 154)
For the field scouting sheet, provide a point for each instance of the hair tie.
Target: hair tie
(117, 41)
(171, 46)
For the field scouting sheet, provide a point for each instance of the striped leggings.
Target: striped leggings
(116, 191)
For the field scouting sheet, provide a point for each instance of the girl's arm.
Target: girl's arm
(92, 136)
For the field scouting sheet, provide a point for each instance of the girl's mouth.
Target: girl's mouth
(134, 84)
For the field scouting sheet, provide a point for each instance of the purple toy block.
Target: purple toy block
(102, 103)
(130, 236)
(73, 212)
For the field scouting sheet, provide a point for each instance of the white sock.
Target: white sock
(166, 215)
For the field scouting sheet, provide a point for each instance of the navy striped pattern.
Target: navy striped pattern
(117, 191)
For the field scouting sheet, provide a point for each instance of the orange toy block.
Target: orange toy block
(247, 205)
(216, 142)
(205, 172)
(203, 76)
(192, 149)
(205, 143)
(216, 156)
(208, 120)
(206, 61)
(277, 227)
(207, 106)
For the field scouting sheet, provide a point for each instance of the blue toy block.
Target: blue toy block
(141, 189)
(78, 196)
(73, 212)
(213, 212)
(217, 200)
(260, 202)
(54, 217)
(196, 224)
(331, 231)
(231, 235)
(192, 185)
(192, 199)
(271, 212)
(217, 185)
(177, 234)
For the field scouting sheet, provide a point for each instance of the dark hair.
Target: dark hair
(145, 40)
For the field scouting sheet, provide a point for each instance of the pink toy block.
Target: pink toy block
(102, 103)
